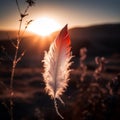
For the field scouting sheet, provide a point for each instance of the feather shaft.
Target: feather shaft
(56, 108)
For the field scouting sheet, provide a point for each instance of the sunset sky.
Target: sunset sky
(72, 12)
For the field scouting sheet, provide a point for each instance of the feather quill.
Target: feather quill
(57, 62)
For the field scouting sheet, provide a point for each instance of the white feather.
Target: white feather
(57, 66)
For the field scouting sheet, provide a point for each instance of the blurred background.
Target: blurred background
(94, 87)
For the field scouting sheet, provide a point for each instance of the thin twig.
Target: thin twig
(22, 54)
(18, 7)
(16, 58)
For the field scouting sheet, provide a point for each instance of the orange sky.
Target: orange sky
(74, 13)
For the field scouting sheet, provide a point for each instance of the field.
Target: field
(87, 99)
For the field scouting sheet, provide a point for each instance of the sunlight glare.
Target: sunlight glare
(44, 26)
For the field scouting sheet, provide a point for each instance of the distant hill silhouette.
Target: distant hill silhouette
(99, 39)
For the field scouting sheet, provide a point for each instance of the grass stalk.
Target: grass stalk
(16, 57)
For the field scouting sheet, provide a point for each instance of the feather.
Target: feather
(57, 62)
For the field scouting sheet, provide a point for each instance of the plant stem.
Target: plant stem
(16, 58)
(13, 71)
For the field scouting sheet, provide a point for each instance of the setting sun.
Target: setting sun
(44, 26)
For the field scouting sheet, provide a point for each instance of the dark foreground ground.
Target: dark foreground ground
(89, 99)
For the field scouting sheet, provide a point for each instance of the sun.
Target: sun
(44, 26)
